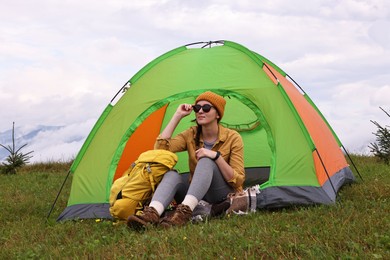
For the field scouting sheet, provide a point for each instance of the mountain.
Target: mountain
(23, 136)
(48, 143)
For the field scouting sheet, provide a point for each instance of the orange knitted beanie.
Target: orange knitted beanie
(216, 100)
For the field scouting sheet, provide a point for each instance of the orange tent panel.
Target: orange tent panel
(326, 145)
(141, 140)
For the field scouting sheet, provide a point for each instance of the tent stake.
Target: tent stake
(59, 192)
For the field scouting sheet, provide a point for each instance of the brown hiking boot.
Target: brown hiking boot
(180, 217)
(149, 216)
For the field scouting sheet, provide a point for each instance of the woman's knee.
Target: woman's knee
(171, 178)
(206, 163)
(172, 174)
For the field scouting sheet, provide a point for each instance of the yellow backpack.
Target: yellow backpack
(130, 192)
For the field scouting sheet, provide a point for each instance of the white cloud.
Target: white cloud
(60, 145)
(381, 97)
(379, 32)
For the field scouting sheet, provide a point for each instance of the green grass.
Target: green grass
(356, 227)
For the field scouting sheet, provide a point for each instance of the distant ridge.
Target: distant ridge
(23, 136)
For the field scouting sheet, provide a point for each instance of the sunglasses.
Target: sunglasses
(206, 108)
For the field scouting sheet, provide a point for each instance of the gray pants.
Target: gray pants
(207, 184)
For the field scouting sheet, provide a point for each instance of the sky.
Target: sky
(61, 62)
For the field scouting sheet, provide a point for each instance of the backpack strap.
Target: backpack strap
(152, 181)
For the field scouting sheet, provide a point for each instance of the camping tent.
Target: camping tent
(289, 148)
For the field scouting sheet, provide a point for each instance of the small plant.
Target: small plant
(381, 148)
(16, 158)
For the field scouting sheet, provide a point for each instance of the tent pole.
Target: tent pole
(327, 174)
(354, 166)
(59, 192)
(127, 82)
(303, 91)
(345, 150)
(207, 43)
(271, 72)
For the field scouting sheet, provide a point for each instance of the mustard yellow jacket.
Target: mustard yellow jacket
(229, 144)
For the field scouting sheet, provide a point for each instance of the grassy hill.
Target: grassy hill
(356, 227)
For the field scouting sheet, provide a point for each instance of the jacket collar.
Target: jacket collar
(222, 133)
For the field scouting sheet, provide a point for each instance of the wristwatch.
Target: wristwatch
(217, 156)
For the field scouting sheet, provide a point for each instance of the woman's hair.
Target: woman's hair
(199, 131)
(219, 104)
(197, 136)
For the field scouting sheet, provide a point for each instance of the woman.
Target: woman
(215, 161)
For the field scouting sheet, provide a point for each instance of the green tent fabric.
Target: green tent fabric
(290, 150)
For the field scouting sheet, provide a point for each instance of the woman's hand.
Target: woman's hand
(184, 110)
(203, 152)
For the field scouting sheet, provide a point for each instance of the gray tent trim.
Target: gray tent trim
(272, 197)
(285, 196)
(85, 211)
